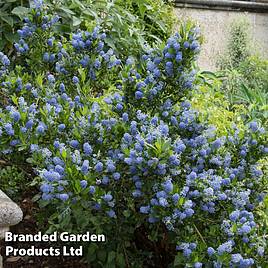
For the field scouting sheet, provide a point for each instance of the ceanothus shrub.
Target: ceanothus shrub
(119, 150)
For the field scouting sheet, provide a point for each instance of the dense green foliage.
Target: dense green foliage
(132, 24)
(11, 14)
(13, 181)
(246, 79)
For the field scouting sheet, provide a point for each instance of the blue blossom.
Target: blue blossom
(14, 142)
(236, 258)
(75, 80)
(4, 59)
(253, 126)
(61, 127)
(125, 117)
(175, 198)
(41, 128)
(260, 251)
(92, 189)
(211, 251)
(189, 212)
(111, 213)
(99, 167)
(164, 129)
(9, 129)
(192, 175)
(136, 193)
(63, 197)
(85, 167)
(74, 143)
(144, 209)
(59, 169)
(246, 263)
(119, 106)
(186, 44)
(34, 147)
(198, 265)
(187, 252)
(15, 115)
(244, 229)
(87, 149)
(46, 57)
(127, 137)
(50, 41)
(168, 186)
(46, 188)
(234, 216)
(116, 176)
(208, 191)
(51, 78)
(163, 202)
(138, 95)
(107, 197)
(225, 247)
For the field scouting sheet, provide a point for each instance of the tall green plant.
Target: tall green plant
(245, 74)
(132, 24)
(11, 13)
(238, 47)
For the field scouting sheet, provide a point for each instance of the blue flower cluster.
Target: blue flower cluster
(4, 63)
(169, 72)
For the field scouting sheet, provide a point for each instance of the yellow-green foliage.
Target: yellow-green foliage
(214, 107)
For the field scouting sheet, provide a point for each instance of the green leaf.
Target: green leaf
(2, 43)
(36, 197)
(11, 37)
(14, 99)
(91, 13)
(111, 257)
(39, 80)
(91, 254)
(178, 260)
(76, 21)
(101, 254)
(64, 154)
(120, 259)
(181, 201)
(8, 20)
(21, 12)
(67, 10)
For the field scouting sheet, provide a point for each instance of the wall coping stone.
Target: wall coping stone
(228, 5)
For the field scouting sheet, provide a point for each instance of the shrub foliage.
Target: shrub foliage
(119, 150)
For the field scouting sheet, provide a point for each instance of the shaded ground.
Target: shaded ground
(163, 254)
(29, 226)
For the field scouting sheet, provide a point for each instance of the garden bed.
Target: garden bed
(119, 142)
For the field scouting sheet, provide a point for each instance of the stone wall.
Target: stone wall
(215, 25)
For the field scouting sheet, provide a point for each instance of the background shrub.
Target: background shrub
(11, 14)
(13, 181)
(132, 24)
(245, 74)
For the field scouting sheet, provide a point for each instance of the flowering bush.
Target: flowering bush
(119, 150)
